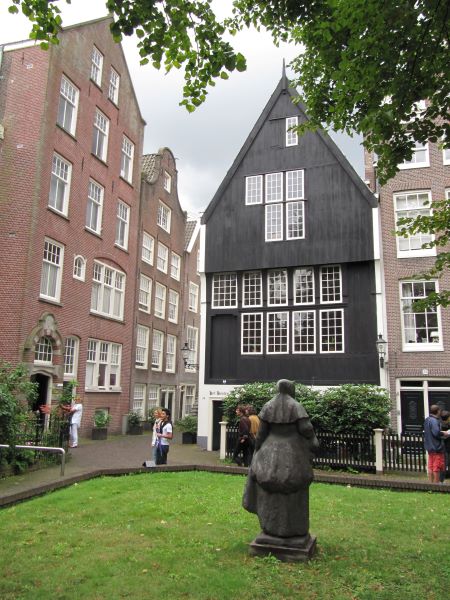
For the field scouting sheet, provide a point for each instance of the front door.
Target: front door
(217, 417)
(167, 399)
(412, 411)
(43, 387)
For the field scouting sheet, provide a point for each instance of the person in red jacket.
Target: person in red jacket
(243, 445)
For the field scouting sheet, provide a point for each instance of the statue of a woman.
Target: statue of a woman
(281, 470)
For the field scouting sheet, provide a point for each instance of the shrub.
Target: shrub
(188, 424)
(134, 418)
(102, 418)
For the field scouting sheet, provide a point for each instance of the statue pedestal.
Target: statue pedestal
(292, 549)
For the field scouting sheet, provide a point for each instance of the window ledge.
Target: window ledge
(50, 301)
(100, 160)
(423, 348)
(122, 248)
(103, 390)
(130, 183)
(72, 135)
(57, 212)
(107, 317)
(89, 230)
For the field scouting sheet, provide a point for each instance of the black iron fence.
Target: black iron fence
(345, 451)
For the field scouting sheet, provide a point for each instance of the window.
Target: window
(94, 207)
(139, 399)
(142, 336)
(277, 288)
(103, 365)
(252, 333)
(108, 290)
(304, 286)
(164, 216)
(277, 333)
(71, 358)
(173, 306)
(189, 399)
(79, 268)
(253, 189)
(122, 223)
(51, 274)
(43, 351)
(419, 158)
(157, 350)
(100, 136)
(421, 327)
(153, 396)
(303, 332)
(68, 106)
(192, 342)
(274, 187)
(163, 256)
(145, 293)
(412, 205)
(294, 185)
(167, 182)
(332, 330)
(446, 156)
(274, 222)
(295, 221)
(175, 262)
(58, 198)
(114, 84)
(291, 135)
(148, 244)
(96, 65)
(160, 301)
(193, 296)
(224, 291)
(171, 348)
(330, 284)
(126, 160)
(252, 289)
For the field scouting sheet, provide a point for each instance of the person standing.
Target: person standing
(434, 444)
(243, 442)
(254, 427)
(75, 411)
(445, 426)
(157, 415)
(164, 434)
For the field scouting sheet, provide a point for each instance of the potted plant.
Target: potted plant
(188, 426)
(134, 423)
(102, 418)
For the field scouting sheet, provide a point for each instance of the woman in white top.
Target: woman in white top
(76, 412)
(157, 415)
(164, 433)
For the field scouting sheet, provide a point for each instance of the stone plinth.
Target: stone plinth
(292, 549)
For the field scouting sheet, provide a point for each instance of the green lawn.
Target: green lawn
(185, 535)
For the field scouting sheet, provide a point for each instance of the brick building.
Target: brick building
(168, 294)
(417, 366)
(71, 136)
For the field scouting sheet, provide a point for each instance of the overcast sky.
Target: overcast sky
(205, 142)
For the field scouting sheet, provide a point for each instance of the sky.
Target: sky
(206, 142)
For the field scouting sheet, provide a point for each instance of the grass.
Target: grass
(185, 536)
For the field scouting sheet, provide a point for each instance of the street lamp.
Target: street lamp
(185, 351)
(381, 349)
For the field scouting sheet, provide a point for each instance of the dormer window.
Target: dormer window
(291, 134)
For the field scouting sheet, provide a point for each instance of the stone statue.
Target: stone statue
(277, 487)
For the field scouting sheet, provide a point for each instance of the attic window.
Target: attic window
(291, 134)
(167, 182)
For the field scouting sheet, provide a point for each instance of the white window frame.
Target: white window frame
(139, 397)
(413, 212)
(273, 222)
(171, 353)
(159, 305)
(142, 338)
(114, 86)
(172, 306)
(295, 185)
(148, 248)
(305, 276)
(52, 268)
(43, 351)
(291, 136)
(297, 315)
(164, 216)
(253, 190)
(94, 207)
(285, 337)
(59, 192)
(192, 342)
(108, 291)
(145, 293)
(337, 299)
(189, 399)
(157, 350)
(127, 159)
(96, 66)
(167, 182)
(249, 325)
(175, 266)
(100, 135)
(274, 187)
(162, 259)
(70, 361)
(224, 296)
(79, 267)
(272, 295)
(68, 106)
(321, 334)
(446, 156)
(193, 297)
(252, 289)
(153, 397)
(415, 163)
(108, 354)
(414, 346)
(297, 231)
(122, 224)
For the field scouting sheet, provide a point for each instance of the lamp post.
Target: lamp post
(381, 349)
(185, 351)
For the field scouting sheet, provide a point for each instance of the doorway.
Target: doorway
(43, 387)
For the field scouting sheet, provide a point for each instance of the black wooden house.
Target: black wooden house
(289, 261)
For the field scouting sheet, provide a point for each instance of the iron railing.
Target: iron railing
(404, 452)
